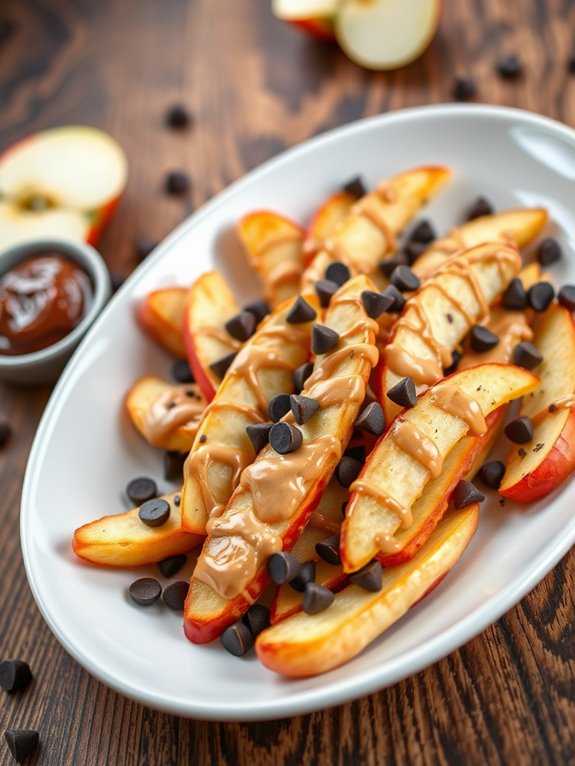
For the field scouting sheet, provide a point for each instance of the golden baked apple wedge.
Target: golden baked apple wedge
(537, 468)
(122, 540)
(437, 317)
(278, 492)
(324, 222)
(161, 314)
(222, 448)
(308, 644)
(208, 307)
(274, 246)
(166, 415)
(412, 452)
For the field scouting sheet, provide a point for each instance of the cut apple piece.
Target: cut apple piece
(412, 452)
(537, 468)
(278, 492)
(161, 315)
(325, 221)
(306, 644)
(123, 540)
(18, 225)
(315, 17)
(209, 305)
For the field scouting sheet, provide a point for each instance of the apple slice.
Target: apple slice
(274, 246)
(19, 225)
(325, 221)
(413, 450)
(537, 468)
(161, 315)
(222, 448)
(315, 17)
(123, 540)
(306, 644)
(386, 34)
(278, 493)
(209, 305)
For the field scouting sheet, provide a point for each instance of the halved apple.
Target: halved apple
(316, 17)
(325, 221)
(161, 315)
(306, 644)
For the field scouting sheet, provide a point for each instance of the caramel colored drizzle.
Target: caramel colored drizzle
(420, 447)
(171, 410)
(283, 273)
(219, 334)
(276, 241)
(250, 360)
(337, 391)
(321, 521)
(455, 402)
(198, 465)
(364, 486)
(510, 327)
(251, 413)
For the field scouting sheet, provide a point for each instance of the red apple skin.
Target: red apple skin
(198, 369)
(320, 28)
(101, 220)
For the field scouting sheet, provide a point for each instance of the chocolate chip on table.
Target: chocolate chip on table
(520, 430)
(141, 489)
(455, 359)
(303, 408)
(283, 567)
(566, 298)
(5, 434)
(256, 619)
(174, 595)
(396, 307)
(300, 312)
(181, 371)
(237, 639)
(405, 279)
(482, 339)
(259, 434)
(464, 494)
(355, 188)
(22, 742)
(480, 207)
(221, 366)
(371, 419)
(259, 309)
(241, 326)
(423, 232)
(174, 465)
(464, 88)
(305, 575)
(403, 393)
(325, 289)
(491, 473)
(347, 470)
(317, 598)
(144, 247)
(515, 296)
(548, 252)
(15, 675)
(177, 183)
(301, 374)
(328, 549)
(278, 406)
(177, 117)
(388, 265)
(323, 339)
(337, 272)
(285, 438)
(155, 512)
(540, 296)
(412, 251)
(172, 565)
(509, 67)
(369, 577)
(145, 591)
(527, 355)
(375, 304)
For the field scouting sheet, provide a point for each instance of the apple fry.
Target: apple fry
(161, 315)
(324, 222)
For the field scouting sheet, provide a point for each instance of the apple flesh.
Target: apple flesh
(325, 221)
(313, 16)
(161, 315)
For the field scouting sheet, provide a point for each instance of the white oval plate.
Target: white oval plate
(85, 450)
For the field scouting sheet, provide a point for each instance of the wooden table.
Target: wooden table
(256, 87)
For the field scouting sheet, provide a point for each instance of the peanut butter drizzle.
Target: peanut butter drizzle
(365, 208)
(252, 413)
(337, 391)
(284, 272)
(217, 333)
(250, 360)
(420, 447)
(366, 487)
(199, 462)
(454, 401)
(321, 521)
(171, 410)
(510, 327)
(331, 361)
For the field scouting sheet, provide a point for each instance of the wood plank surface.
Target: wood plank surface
(255, 87)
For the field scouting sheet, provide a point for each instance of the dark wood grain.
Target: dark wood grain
(256, 87)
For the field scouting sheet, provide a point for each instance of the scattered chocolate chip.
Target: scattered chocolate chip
(203, 439)
(323, 339)
(325, 288)
(181, 371)
(337, 272)
(405, 279)
(520, 430)
(375, 304)
(141, 489)
(221, 366)
(144, 247)
(301, 312)
(464, 88)
(174, 595)
(317, 598)
(145, 591)
(5, 434)
(22, 742)
(172, 565)
(237, 639)
(566, 299)
(15, 675)
(283, 568)
(257, 618)
(371, 419)
(526, 355)
(305, 575)
(509, 67)
(259, 434)
(355, 187)
(285, 438)
(357, 452)
(548, 252)
(177, 500)
(303, 408)
(540, 295)
(396, 307)
(177, 117)
(412, 251)
(155, 512)
(347, 471)
(538, 446)
(388, 265)
(369, 577)
(423, 232)
(259, 309)
(521, 452)
(514, 296)
(552, 408)
(174, 465)
(279, 405)
(480, 207)
(491, 473)
(116, 280)
(177, 183)
(403, 393)
(301, 375)
(482, 339)
(242, 325)
(328, 550)
(464, 494)
(455, 359)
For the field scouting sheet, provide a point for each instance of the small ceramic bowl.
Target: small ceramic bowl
(45, 365)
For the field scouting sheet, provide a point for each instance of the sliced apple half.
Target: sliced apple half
(386, 34)
(19, 225)
(161, 315)
(316, 17)
(324, 222)
(306, 644)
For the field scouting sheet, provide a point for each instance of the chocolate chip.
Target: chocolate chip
(403, 393)
(283, 567)
(388, 265)
(203, 439)
(221, 366)
(337, 272)
(521, 452)
(279, 405)
(172, 565)
(285, 438)
(398, 299)
(423, 232)
(323, 339)
(181, 371)
(145, 591)
(347, 471)
(371, 419)
(305, 575)
(526, 355)
(369, 577)
(464, 88)
(520, 430)
(548, 252)
(15, 675)
(482, 339)
(540, 295)
(177, 500)
(328, 550)
(455, 359)
(144, 247)
(405, 279)
(355, 188)
(464, 494)
(316, 598)
(259, 434)
(325, 288)
(357, 452)
(300, 312)
(375, 304)
(303, 408)
(174, 595)
(116, 280)
(412, 251)
(566, 299)
(514, 296)
(174, 465)
(5, 434)
(480, 207)
(509, 67)
(177, 117)
(237, 639)
(242, 325)
(22, 742)
(301, 374)
(177, 183)
(491, 473)
(259, 309)
(257, 618)
(155, 512)
(141, 489)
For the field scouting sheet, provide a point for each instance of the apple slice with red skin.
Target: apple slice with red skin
(315, 17)
(324, 222)
(161, 315)
(309, 644)
(537, 468)
(208, 306)
(207, 613)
